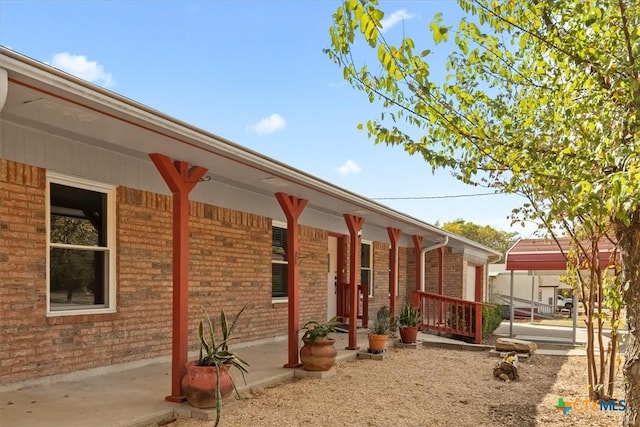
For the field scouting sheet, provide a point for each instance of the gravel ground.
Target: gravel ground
(424, 387)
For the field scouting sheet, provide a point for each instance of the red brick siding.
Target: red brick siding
(455, 273)
(313, 274)
(230, 260)
(380, 277)
(432, 264)
(26, 343)
(406, 281)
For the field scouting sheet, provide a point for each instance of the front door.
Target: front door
(471, 283)
(332, 276)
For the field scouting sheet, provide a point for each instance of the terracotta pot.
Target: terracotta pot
(319, 355)
(377, 343)
(409, 334)
(199, 385)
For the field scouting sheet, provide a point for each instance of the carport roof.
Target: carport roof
(547, 254)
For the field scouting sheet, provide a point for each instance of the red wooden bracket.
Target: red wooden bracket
(354, 224)
(292, 208)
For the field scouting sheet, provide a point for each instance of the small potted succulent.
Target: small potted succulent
(379, 331)
(409, 322)
(208, 382)
(318, 352)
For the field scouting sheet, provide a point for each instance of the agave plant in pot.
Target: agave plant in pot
(409, 321)
(208, 382)
(318, 352)
(379, 332)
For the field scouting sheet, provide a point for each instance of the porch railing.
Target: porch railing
(450, 315)
(344, 309)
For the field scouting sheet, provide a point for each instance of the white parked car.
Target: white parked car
(564, 302)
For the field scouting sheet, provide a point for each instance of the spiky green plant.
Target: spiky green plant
(217, 354)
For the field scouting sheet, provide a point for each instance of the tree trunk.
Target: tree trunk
(628, 237)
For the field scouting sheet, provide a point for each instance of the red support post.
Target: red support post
(180, 179)
(394, 236)
(292, 208)
(417, 245)
(354, 224)
(478, 298)
(441, 252)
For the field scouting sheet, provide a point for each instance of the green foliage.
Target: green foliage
(382, 322)
(409, 315)
(72, 269)
(491, 319)
(540, 99)
(486, 235)
(315, 329)
(217, 354)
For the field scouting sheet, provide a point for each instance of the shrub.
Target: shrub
(491, 319)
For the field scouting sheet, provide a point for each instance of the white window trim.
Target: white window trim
(110, 191)
(370, 243)
(278, 300)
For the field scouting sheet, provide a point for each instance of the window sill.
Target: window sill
(69, 318)
(279, 301)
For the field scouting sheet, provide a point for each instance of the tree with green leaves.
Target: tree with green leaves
(483, 234)
(539, 98)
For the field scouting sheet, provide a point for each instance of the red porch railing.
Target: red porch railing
(451, 315)
(343, 308)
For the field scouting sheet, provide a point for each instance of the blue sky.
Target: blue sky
(252, 72)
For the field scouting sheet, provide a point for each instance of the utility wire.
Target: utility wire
(435, 197)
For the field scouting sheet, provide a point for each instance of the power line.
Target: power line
(454, 196)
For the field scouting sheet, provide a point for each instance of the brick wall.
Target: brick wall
(406, 280)
(380, 277)
(313, 274)
(25, 343)
(432, 265)
(230, 265)
(455, 273)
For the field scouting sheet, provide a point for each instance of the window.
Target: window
(81, 246)
(366, 265)
(279, 264)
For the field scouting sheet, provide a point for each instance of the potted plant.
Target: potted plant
(379, 332)
(318, 352)
(409, 321)
(208, 382)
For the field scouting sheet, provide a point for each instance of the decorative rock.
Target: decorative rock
(512, 344)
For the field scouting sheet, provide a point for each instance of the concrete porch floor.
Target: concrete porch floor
(135, 396)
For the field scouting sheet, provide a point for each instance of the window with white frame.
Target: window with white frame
(366, 265)
(279, 264)
(80, 246)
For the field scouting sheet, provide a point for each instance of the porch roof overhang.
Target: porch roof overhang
(547, 255)
(42, 97)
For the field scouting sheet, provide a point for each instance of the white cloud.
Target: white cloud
(80, 66)
(394, 18)
(270, 124)
(350, 167)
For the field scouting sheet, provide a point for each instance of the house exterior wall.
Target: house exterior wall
(406, 280)
(455, 274)
(230, 259)
(380, 278)
(230, 256)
